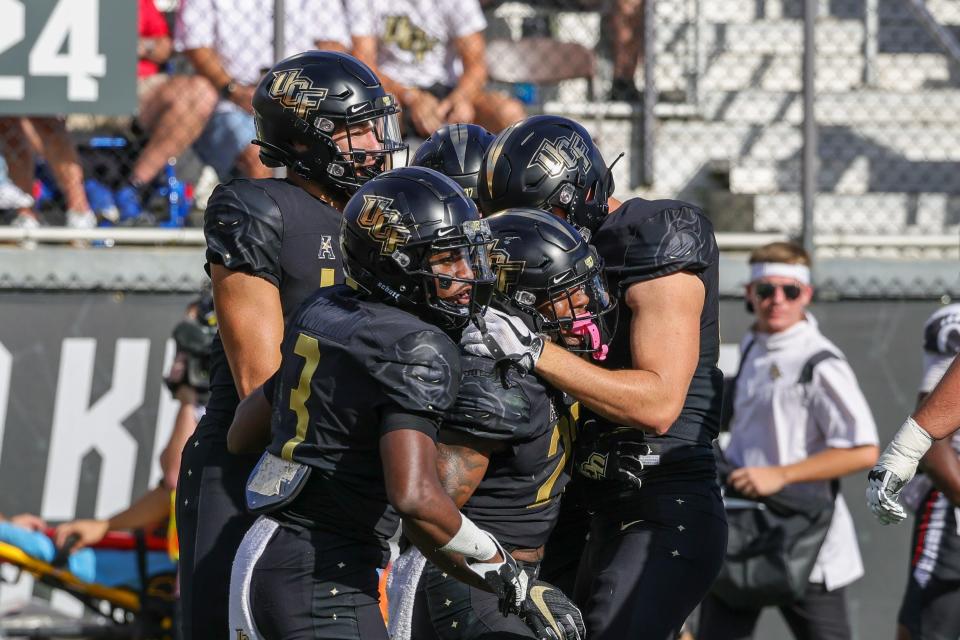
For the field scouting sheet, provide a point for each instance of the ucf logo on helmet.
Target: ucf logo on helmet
(296, 92)
(380, 221)
(508, 271)
(556, 156)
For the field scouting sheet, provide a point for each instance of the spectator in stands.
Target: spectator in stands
(623, 20)
(173, 109)
(11, 197)
(20, 139)
(795, 434)
(230, 43)
(417, 46)
(930, 605)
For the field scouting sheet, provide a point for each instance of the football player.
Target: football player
(506, 445)
(366, 372)
(456, 150)
(652, 408)
(270, 243)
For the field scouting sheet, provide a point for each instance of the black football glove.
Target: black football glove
(551, 615)
(505, 579)
(611, 457)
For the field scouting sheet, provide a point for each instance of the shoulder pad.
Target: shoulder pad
(420, 371)
(487, 408)
(244, 230)
(941, 333)
(647, 239)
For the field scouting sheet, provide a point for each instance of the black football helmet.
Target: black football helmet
(545, 162)
(456, 150)
(544, 268)
(410, 235)
(307, 100)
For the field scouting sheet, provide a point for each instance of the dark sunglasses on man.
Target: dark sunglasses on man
(766, 290)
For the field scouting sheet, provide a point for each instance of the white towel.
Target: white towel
(241, 611)
(401, 591)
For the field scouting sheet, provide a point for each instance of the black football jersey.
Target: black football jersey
(518, 500)
(647, 239)
(274, 230)
(351, 371)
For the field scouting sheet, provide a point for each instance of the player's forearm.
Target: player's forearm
(633, 398)
(454, 564)
(151, 508)
(250, 430)
(943, 467)
(461, 470)
(939, 415)
(831, 463)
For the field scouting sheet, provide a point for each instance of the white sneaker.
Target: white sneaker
(26, 221)
(11, 197)
(81, 220)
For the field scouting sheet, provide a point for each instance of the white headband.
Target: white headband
(799, 272)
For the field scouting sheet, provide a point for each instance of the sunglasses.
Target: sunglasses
(766, 290)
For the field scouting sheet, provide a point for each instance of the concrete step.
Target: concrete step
(786, 37)
(874, 213)
(733, 71)
(686, 149)
(933, 107)
(856, 176)
(914, 143)
(945, 11)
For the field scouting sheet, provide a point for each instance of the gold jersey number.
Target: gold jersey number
(308, 348)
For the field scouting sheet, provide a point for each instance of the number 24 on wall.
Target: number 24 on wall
(72, 27)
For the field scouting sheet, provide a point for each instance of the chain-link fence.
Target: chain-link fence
(704, 98)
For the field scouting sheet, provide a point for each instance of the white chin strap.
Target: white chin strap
(799, 272)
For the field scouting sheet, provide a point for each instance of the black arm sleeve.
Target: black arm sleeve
(651, 239)
(244, 230)
(486, 407)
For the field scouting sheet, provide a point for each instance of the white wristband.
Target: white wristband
(903, 453)
(471, 541)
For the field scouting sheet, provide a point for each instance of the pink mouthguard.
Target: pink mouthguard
(588, 328)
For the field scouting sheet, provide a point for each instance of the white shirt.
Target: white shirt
(241, 31)
(777, 421)
(415, 38)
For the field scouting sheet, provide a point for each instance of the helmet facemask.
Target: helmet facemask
(343, 152)
(366, 143)
(575, 310)
(454, 269)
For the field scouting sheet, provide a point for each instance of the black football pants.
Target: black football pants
(564, 549)
(447, 609)
(650, 560)
(211, 522)
(311, 585)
